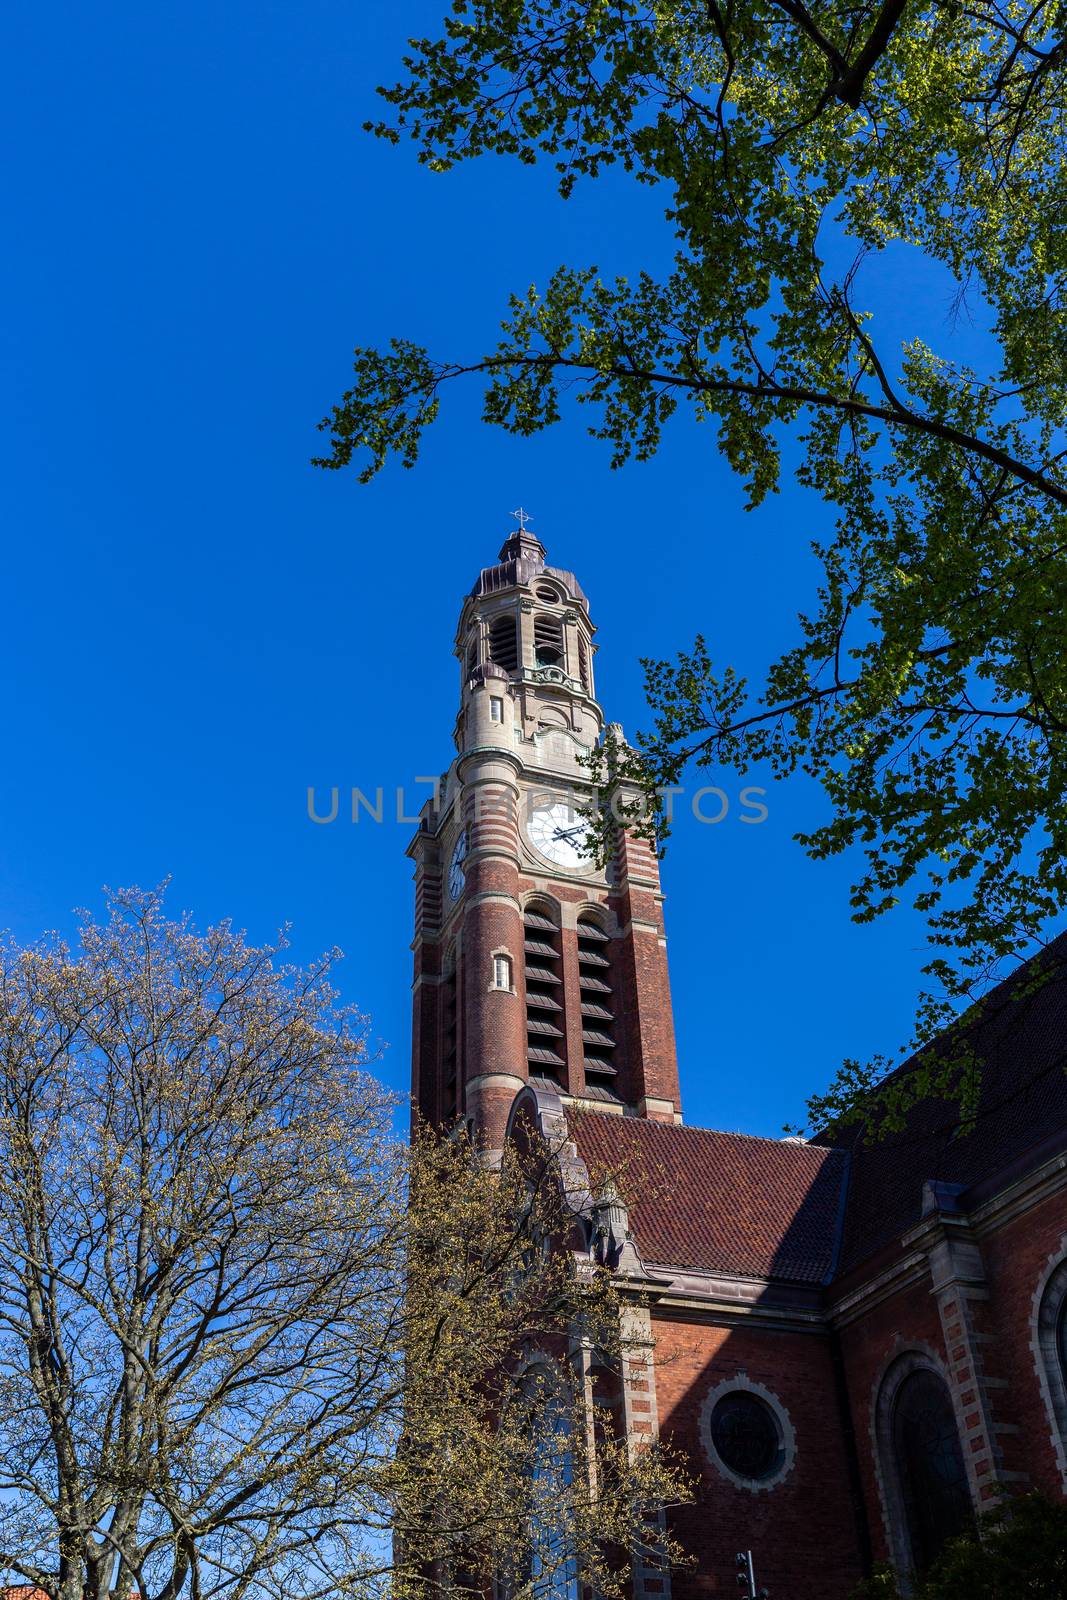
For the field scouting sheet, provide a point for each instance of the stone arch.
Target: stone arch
(908, 1540)
(597, 912)
(542, 904)
(1048, 1341)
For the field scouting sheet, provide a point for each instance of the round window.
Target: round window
(746, 1435)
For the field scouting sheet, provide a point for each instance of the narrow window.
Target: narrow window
(544, 1013)
(496, 708)
(1052, 1344)
(583, 663)
(548, 641)
(929, 1462)
(504, 642)
(502, 972)
(598, 1008)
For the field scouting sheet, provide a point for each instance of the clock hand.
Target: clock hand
(568, 833)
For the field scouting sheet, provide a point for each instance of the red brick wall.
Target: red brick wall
(1016, 1259)
(802, 1532)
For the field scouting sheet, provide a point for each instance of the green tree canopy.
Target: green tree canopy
(926, 690)
(1020, 1548)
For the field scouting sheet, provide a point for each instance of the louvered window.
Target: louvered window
(449, 1041)
(548, 642)
(583, 662)
(504, 642)
(545, 1049)
(597, 1002)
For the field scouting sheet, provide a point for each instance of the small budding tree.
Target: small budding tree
(250, 1341)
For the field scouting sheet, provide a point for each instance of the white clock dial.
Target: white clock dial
(456, 876)
(562, 834)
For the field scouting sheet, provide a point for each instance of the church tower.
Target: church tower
(531, 963)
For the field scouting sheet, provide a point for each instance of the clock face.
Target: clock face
(562, 834)
(456, 875)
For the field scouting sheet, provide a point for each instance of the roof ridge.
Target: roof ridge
(726, 1133)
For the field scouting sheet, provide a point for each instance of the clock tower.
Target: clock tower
(532, 964)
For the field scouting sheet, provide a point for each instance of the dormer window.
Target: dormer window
(548, 641)
(547, 594)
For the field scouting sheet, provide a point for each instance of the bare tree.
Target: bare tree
(246, 1334)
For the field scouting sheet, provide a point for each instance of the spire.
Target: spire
(521, 544)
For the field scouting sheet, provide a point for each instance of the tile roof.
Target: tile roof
(1021, 1041)
(720, 1202)
(764, 1208)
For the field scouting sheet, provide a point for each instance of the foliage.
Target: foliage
(250, 1342)
(792, 143)
(1019, 1549)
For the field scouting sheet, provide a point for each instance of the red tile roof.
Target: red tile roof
(720, 1202)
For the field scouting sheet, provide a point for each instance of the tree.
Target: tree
(926, 692)
(250, 1342)
(1020, 1548)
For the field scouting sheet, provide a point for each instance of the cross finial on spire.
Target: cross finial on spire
(522, 543)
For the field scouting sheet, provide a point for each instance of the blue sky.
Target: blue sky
(199, 625)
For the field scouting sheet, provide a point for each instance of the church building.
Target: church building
(857, 1347)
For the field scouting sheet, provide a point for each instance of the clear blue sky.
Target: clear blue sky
(199, 625)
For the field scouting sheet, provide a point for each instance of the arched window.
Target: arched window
(504, 642)
(548, 641)
(544, 986)
(1050, 1326)
(929, 1496)
(547, 1565)
(583, 664)
(598, 1007)
(449, 1096)
(502, 972)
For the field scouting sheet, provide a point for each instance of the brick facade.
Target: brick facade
(808, 1286)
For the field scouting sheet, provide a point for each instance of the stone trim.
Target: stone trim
(496, 1080)
(651, 1577)
(786, 1432)
(1050, 1298)
(649, 1106)
(903, 1274)
(492, 987)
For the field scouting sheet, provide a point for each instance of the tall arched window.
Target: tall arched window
(598, 1007)
(545, 1045)
(926, 1479)
(547, 1564)
(1050, 1326)
(548, 641)
(504, 642)
(449, 1095)
(583, 664)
